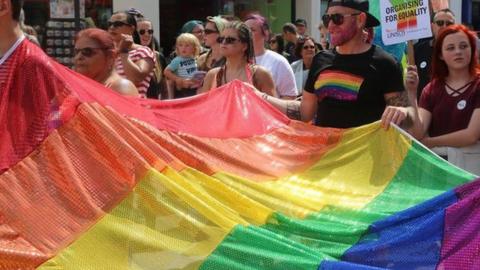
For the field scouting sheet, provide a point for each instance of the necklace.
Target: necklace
(236, 75)
(457, 91)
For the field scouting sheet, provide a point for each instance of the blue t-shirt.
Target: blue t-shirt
(183, 67)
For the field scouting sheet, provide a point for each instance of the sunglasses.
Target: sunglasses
(308, 47)
(336, 18)
(116, 24)
(441, 23)
(87, 52)
(210, 31)
(272, 41)
(143, 31)
(228, 40)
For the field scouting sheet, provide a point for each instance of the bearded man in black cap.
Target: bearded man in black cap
(351, 84)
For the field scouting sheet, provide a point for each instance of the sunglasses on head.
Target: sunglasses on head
(143, 31)
(226, 40)
(87, 52)
(336, 18)
(441, 23)
(116, 24)
(210, 31)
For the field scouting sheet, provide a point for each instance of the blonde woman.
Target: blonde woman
(213, 58)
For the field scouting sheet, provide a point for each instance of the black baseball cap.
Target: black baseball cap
(360, 5)
(301, 22)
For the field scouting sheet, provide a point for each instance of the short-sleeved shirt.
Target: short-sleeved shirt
(136, 55)
(300, 73)
(281, 71)
(183, 67)
(351, 88)
(4, 72)
(423, 60)
(6, 63)
(449, 113)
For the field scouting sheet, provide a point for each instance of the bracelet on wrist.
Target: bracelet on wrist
(122, 51)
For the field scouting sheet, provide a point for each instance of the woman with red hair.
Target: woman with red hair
(448, 113)
(95, 58)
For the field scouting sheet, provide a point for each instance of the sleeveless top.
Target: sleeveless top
(220, 78)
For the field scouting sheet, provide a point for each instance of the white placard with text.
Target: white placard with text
(404, 20)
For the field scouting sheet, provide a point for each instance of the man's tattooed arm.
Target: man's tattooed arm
(293, 110)
(290, 107)
(399, 99)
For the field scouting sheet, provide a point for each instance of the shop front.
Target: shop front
(57, 22)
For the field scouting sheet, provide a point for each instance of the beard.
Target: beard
(346, 35)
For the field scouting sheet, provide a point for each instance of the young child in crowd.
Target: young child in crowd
(183, 69)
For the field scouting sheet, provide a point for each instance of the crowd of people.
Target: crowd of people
(342, 81)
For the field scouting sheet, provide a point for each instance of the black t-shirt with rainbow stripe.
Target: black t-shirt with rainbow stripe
(350, 88)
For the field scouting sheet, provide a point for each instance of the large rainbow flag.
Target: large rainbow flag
(220, 181)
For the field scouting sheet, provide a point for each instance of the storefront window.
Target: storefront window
(54, 22)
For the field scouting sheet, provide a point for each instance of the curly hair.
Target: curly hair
(189, 39)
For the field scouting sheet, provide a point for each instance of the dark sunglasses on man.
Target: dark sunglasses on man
(87, 52)
(441, 23)
(226, 40)
(143, 31)
(336, 18)
(116, 24)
